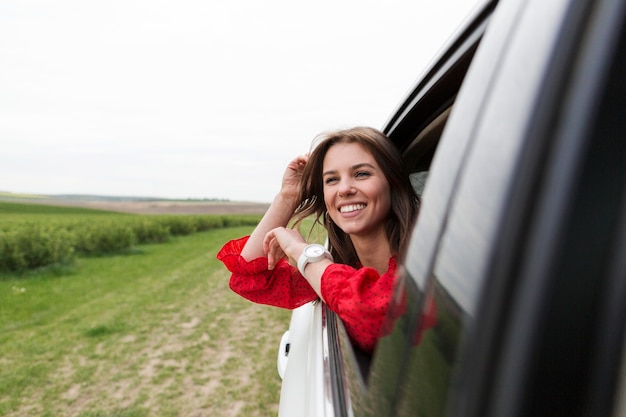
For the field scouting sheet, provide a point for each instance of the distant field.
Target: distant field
(152, 331)
(140, 206)
(167, 207)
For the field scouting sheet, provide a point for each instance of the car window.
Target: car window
(411, 314)
(405, 323)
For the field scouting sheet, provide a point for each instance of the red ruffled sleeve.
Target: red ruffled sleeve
(361, 298)
(282, 287)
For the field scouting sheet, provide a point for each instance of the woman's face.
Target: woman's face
(356, 191)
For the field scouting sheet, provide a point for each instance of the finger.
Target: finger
(275, 254)
(304, 159)
(266, 243)
(269, 236)
(270, 243)
(297, 162)
(271, 260)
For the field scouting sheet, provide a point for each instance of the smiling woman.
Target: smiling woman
(356, 193)
(346, 184)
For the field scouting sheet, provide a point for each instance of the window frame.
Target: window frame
(431, 98)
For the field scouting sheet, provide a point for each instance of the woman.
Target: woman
(355, 185)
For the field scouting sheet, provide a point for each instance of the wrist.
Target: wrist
(312, 253)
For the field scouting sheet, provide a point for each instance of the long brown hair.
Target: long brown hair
(404, 201)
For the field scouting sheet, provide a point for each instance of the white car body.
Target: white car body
(302, 364)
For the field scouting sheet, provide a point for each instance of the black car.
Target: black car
(512, 296)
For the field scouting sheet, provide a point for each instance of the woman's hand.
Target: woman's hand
(282, 242)
(278, 214)
(292, 177)
(288, 243)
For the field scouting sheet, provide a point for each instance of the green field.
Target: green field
(152, 330)
(33, 236)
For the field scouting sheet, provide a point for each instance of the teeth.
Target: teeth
(352, 207)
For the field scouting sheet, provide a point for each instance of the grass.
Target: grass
(150, 332)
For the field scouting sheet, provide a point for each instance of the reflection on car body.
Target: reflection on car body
(512, 295)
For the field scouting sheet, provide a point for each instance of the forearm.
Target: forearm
(278, 215)
(313, 274)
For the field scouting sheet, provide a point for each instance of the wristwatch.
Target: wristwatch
(312, 253)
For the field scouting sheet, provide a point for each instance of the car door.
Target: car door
(541, 202)
(527, 173)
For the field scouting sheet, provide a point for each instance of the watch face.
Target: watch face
(315, 250)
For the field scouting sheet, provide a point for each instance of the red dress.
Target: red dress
(360, 297)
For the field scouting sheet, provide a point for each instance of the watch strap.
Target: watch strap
(304, 260)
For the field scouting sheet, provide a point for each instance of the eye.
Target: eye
(330, 180)
(362, 174)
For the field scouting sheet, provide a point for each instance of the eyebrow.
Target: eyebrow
(353, 168)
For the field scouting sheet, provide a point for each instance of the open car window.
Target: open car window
(372, 378)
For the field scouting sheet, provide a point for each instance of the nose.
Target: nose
(346, 187)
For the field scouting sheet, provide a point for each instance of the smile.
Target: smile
(350, 208)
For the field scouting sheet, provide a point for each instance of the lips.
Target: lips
(349, 208)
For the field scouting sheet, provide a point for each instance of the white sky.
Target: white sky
(197, 98)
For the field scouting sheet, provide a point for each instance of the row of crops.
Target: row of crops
(32, 240)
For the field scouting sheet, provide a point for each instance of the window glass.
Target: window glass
(435, 338)
(408, 320)
(418, 180)
(396, 334)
